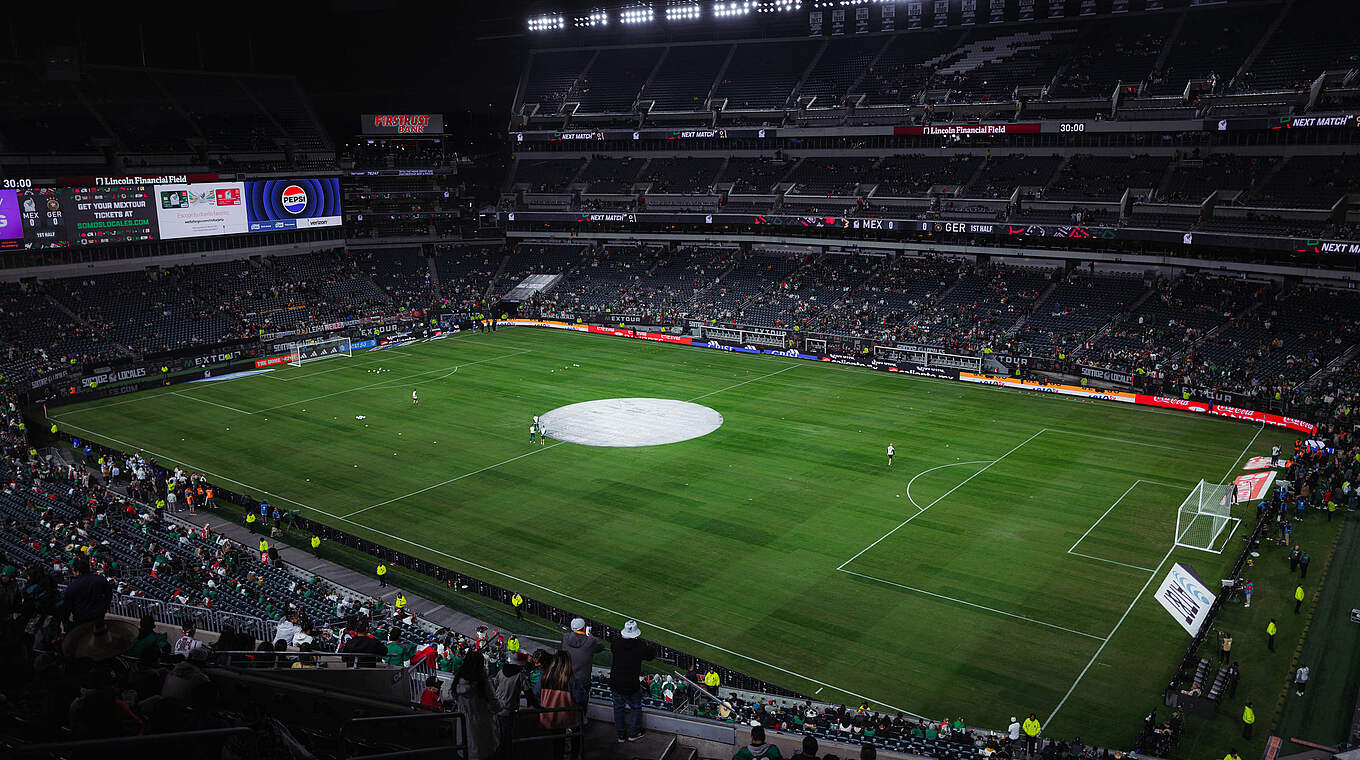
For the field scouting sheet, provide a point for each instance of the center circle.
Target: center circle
(629, 422)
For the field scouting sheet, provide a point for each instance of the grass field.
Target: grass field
(1001, 566)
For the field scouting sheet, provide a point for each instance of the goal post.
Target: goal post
(318, 348)
(1204, 520)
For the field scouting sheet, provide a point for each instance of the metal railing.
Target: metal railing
(203, 744)
(203, 618)
(457, 748)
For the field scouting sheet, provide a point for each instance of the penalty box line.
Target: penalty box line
(1073, 548)
(1232, 467)
(521, 581)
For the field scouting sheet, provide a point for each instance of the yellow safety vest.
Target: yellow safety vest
(250, 517)
(382, 569)
(315, 542)
(1032, 727)
(711, 679)
(1270, 628)
(517, 600)
(1248, 716)
(264, 545)
(401, 602)
(1298, 594)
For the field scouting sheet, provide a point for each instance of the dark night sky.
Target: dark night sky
(456, 58)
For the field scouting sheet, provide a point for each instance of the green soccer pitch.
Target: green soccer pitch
(1003, 565)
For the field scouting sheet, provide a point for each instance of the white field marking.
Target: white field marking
(205, 401)
(1139, 443)
(938, 500)
(381, 383)
(1072, 549)
(744, 382)
(347, 365)
(138, 396)
(520, 581)
(1110, 561)
(974, 605)
(1139, 595)
(454, 480)
(920, 508)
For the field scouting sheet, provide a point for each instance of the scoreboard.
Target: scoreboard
(34, 217)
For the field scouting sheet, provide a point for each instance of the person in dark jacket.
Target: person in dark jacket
(88, 595)
(582, 647)
(363, 643)
(625, 679)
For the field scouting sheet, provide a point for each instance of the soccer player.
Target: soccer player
(415, 399)
(533, 432)
(890, 454)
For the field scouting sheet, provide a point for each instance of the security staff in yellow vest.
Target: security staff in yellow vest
(712, 681)
(1032, 730)
(316, 544)
(1248, 719)
(1298, 598)
(517, 602)
(382, 575)
(401, 604)
(1232, 755)
(1271, 630)
(250, 521)
(264, 551)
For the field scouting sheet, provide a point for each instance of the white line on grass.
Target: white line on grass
(454, 480)
(1102, 517)
(920, 508)
(973, 604)
(1139, 595)
(211, 403)
(523, 582)
(393, 380)
(738, 385)
(1112, 562)
(841, 567)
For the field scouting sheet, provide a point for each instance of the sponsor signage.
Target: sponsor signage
(273, 361)
(1261, 463)
(1255, 486)
(123, 212)
(403, 123)
(1186, 598)
(1107, 375)
(970, 130)
(1189, 405)
(104, 378)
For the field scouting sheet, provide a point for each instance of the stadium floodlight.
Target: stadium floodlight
(1204, 515)
(683, 12)
(547, 23)
(637, 14)
(733, 8)
(780, 6)
(595, 18)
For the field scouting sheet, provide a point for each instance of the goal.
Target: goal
(1204, 517)
(318, 348)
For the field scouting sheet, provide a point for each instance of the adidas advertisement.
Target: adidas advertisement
(200, 210)
(289, 204)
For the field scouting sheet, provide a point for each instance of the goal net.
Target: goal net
(318, 348)
(1205, 517)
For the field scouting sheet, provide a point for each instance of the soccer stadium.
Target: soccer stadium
(683, 380)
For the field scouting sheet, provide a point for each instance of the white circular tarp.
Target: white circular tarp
(630, 422)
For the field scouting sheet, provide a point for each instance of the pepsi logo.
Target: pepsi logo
(293, 199)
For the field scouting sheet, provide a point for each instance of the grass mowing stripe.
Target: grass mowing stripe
(841, 567)
(383, 383)
(1139, 595)
(975, 605)
(455, 480)
(738, 385)
(212, 403)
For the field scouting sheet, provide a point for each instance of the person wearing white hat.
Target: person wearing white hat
(625, 679)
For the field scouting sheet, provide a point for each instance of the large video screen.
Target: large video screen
(59, 217)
